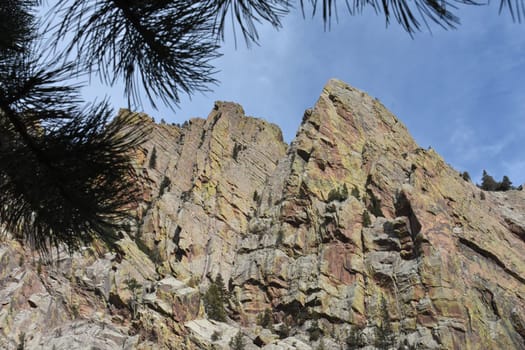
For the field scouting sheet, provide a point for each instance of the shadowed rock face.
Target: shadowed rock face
(349, 231)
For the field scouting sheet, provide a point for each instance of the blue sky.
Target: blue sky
(461, 91)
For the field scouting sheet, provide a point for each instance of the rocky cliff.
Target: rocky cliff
(350, 237)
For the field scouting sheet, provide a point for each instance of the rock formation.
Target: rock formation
(350, 237)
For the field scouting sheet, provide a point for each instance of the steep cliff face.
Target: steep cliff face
(350, 237)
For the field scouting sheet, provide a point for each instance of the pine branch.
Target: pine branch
(413, 16)
(65, 180)
(17, 25)
(162, 46)
(247, 14)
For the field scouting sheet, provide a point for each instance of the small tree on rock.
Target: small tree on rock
(153, 159)
(214, 301)
(366, 219)
(355, 339)
(314, 331)
(134, 287)
(488, 183)
(466, 176)
(285, 329)
(237, 342)
(384, 338)
(219, 281)
(505, 184)
(265, 319)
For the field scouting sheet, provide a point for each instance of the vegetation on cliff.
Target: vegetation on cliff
(489, 184)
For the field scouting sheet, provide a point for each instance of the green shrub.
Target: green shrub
(338, 194)
(237, 342)
(355, 339)
(375, 204)
(285, 329)
(314, 331)
(164, 185)
(153, 159)
(384, 335)
(355, 193)
(214, 299)
(366, 219)
(134, 287)
(265, 319)
(216, 336)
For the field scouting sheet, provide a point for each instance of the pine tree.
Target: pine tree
(237, 342)
(219, 282)
(505, 184)
(265, 319)
(487, 182)
(214, 300)
(134, 287)
(165, 46)
(366, 218)
(152, 164)
(355, 339)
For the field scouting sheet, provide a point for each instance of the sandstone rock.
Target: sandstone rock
(290, 343)
(204, 331)
(174, 298)
(349, 228)
(82, 335)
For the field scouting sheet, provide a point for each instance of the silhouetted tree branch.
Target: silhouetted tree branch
(65, 170)
(17, 25)
(65, 179)
(157, 46)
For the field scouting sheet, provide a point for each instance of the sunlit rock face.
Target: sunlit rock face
(351, 237)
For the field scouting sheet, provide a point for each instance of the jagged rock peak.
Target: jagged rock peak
(346, 112)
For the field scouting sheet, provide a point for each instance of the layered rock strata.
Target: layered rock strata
(352, 236)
